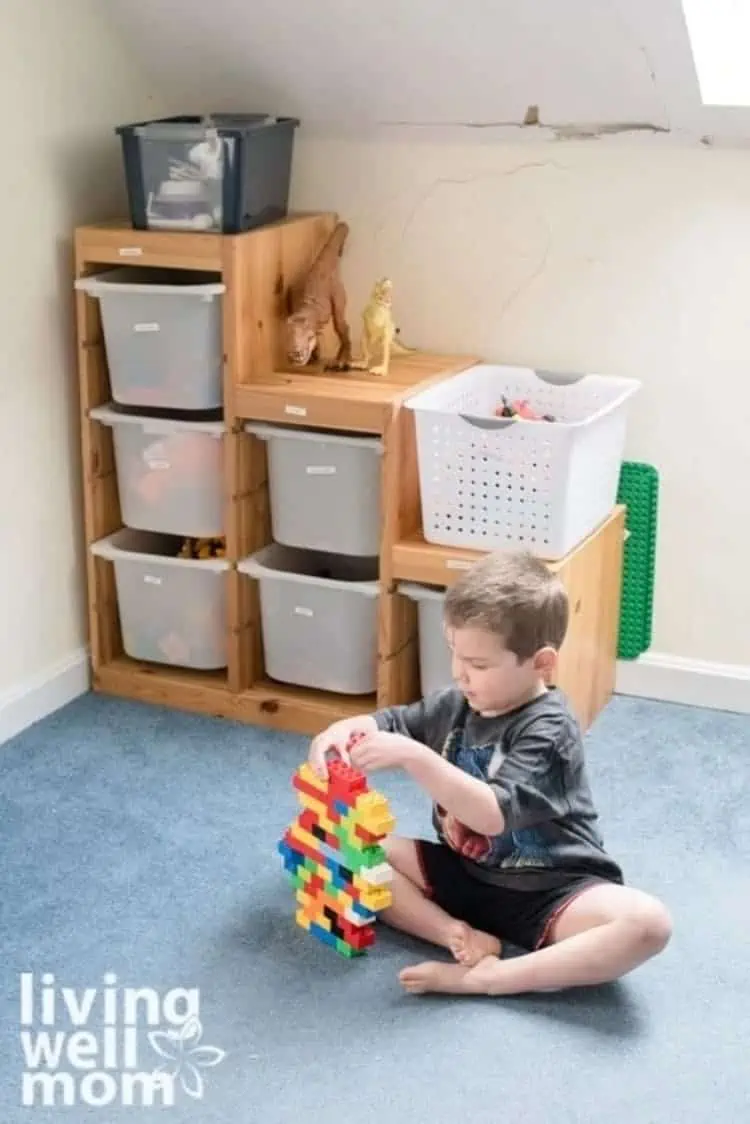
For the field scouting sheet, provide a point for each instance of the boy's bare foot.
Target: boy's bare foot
(457, 979)
(469, 946)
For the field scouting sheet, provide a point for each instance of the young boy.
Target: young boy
(518, 854)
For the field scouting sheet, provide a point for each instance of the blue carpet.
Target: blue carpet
(141, 842)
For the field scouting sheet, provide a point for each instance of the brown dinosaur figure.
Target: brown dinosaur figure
(321, 297)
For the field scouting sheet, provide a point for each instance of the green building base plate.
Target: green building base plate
(638, 490)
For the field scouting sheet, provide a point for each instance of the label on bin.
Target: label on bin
(151, 579)
(298, 411)
(321, 470)
(301, 611)
(457, 564)
(147, 327)
(130, 251)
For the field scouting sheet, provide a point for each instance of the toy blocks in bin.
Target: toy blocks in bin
(333, 857)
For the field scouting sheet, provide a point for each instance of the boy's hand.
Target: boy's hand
(462, 839)
(336, 737)
(382, 750)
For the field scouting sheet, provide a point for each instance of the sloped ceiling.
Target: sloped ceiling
(565, 68)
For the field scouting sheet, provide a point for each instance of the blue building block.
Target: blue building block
(322, 934)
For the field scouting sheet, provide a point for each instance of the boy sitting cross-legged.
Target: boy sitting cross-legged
(518, 855)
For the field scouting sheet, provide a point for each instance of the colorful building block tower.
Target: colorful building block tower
(333, 857)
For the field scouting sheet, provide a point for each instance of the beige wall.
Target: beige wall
(622, 259)
(65, 82)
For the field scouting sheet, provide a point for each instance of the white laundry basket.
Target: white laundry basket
(170, 473)
(324, 489)
(172, 610)
(319, 618)
(163, 337)
(492, 483)
(434, 653)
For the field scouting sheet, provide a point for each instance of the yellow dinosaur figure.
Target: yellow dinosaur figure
(379, 331)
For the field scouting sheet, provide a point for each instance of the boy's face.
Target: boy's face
(491, 677)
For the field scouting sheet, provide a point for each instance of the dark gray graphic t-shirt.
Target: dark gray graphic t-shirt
(533, 760)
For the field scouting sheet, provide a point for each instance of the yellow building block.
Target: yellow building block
(305, 837)
(317, 806)
(310, 777)
(373, 813)
(373, 897)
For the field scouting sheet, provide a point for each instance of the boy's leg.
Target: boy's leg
(602, 934)
(413, 912)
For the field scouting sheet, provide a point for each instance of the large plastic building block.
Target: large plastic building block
(333, 858)
(638, 489)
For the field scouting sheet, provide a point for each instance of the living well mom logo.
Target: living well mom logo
(110, 1045)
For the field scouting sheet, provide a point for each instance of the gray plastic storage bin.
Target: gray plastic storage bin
(172, 610)
(434, 653)
(225, 172)
(319, 616)
(324, 489)
(163, 337)
(170, 474)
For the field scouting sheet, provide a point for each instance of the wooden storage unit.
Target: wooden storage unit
(258, 268)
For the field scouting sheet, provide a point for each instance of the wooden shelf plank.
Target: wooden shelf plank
(120, 244)
(353, 400)
(592, 574)
(296, 710)
(299, 709)
(206, 692)
(416, 560)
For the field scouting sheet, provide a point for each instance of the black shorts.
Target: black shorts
(522, 917)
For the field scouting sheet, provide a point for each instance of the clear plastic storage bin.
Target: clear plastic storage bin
(492, 483)
(324, 489)
(170, 474)
(434, 653)
(163, 336)
(319, 618)
(225, 172)
(172, 610)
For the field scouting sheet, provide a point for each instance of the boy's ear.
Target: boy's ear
(545, 663)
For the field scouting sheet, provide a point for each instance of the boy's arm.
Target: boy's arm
(466, 798)
(525, 788)
(408, 720)
(422, 721)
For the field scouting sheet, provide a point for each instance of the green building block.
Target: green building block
(638, 490)
(345, 949)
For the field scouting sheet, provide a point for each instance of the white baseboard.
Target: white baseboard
(44, 693)
(655, 675)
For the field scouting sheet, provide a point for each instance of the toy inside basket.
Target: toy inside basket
(567, 398)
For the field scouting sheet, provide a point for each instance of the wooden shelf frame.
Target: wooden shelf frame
(257, 269)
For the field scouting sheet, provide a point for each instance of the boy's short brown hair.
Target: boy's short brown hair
(514, 596)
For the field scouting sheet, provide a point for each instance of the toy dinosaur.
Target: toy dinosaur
(379, 331)
(320, 298)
